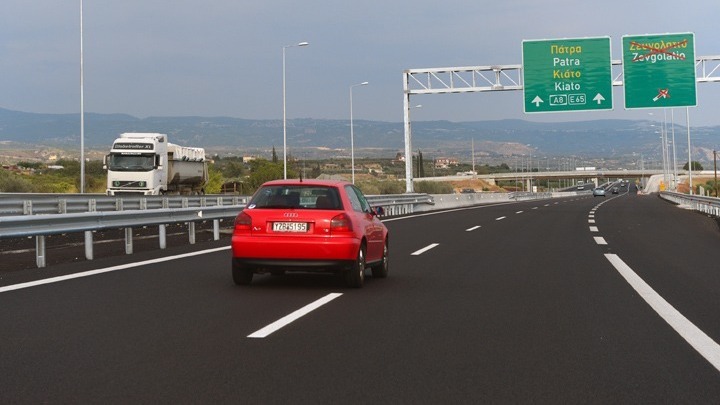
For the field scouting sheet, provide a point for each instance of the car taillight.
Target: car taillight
(340, 223)
(243, 222)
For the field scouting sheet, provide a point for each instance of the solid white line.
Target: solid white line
(500, 218)
(600, 240)
(425, 249)
(288, 319)
(593, 229)
(473, 228)
(701, 342)
(106, 270)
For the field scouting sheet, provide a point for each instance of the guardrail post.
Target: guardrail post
(88, 245)
(162, 236)
(191, 232)
(40, 251)
(216, 229)
(128, 241)
(92, 207)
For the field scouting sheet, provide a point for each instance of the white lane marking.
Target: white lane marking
(288, 319)
(593, 229)
(591, 216)
(446, 211)
(600, 240)
(500, 218)
(534, 208)
(425, 249)
(547, 205)
(472, 229)
(106, 270)
(520, 212)
(701, 342)
(591, 221)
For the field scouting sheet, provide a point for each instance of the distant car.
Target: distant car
(615, 190)
(309, 225)
(599, 192)
(581, 187)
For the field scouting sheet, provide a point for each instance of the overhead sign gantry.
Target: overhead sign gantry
(510, 78)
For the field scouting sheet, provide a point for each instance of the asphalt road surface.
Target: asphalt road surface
(535, 302)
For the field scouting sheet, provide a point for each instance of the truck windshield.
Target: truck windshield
(131, 163)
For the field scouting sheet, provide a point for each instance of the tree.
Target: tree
(274, 155)
(696, 166)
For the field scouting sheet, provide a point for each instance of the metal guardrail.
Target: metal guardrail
(31, 204)
(706, 205)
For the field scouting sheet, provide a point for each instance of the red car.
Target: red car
(309, 225)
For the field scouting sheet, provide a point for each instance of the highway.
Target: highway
(530, 302)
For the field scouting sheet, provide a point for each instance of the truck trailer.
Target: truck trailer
(147, 164)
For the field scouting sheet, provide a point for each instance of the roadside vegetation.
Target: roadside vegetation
(233, 175)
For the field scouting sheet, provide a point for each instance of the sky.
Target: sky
(224, 57)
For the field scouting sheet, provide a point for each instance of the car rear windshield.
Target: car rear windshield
(310, 197)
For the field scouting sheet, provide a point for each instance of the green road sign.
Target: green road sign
(659, 70)
(567, 75)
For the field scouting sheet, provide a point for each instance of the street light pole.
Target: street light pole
(352, 137)
(82, 107)
(284, 111)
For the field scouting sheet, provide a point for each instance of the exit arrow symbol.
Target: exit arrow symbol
(599, 98)
(537, 100)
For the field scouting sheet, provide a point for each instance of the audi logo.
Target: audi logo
(290, 215)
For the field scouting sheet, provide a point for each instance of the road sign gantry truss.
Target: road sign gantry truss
(473, 79)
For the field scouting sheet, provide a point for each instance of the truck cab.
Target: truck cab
(137, 164)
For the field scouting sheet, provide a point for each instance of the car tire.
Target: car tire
(355, 275)
(380, 270)
(242, 275)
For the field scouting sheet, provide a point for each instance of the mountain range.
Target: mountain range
(499, 137)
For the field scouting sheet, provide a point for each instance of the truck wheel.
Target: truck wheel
(355, 275)
(242, 275)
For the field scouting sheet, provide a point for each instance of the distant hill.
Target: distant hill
(502, 137)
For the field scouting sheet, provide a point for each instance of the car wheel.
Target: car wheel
(355, 275)
(380, 270)
(242, 275)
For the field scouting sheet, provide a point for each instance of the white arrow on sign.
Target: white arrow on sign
(599, 98)
(537, 100)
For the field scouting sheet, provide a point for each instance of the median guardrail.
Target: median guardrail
(39, 203)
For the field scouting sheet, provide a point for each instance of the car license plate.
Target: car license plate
(289, 226)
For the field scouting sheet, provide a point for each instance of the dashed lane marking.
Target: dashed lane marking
(286, 320)
(425, 249)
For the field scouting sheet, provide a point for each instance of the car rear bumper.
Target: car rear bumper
(308, 252)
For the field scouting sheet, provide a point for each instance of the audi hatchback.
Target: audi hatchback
(309, 225)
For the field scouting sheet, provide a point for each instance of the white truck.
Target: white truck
(147, 164)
